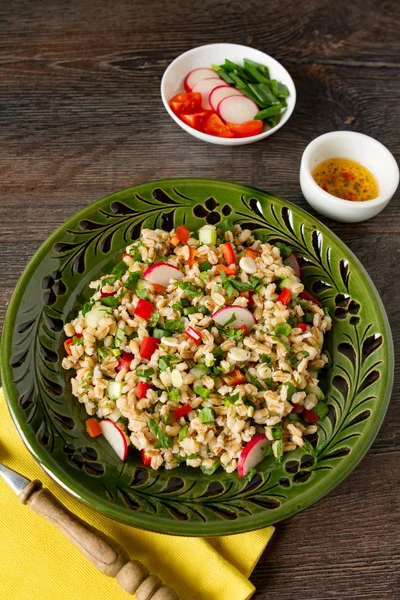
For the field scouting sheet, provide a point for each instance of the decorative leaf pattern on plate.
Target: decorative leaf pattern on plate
(183, 501)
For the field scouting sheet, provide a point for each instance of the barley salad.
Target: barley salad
(200, 348)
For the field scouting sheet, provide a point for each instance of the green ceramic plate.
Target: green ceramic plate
(184, 501)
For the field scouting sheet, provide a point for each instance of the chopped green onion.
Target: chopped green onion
(205, 266)
(210, 470)
(231, 399)
(145, 373)
(321, 409)
(202, 391)
(277, 431)
(183, 433)
(283, 328)
(189, 310)
(207, 415)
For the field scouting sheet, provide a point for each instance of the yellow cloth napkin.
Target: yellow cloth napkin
(39, 563)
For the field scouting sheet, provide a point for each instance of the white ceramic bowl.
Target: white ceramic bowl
(355, 146)
(205, 56)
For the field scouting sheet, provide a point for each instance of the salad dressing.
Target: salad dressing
(346, 179)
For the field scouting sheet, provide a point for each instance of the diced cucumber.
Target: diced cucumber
(321, 409)
(114, 389)
(93, 317)
(314, 389)
(115, 415)
(208, 235)
(160, 333)
(199, 371)
(285, 283)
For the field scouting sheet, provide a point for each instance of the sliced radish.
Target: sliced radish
(197, 75)
(243, 317)
(252, 454)
(205, 87)
(291, 261)
(115, 437)
(237, 109)
(221, 92)
(162, 273)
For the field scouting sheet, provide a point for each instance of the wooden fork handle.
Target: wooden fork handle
(103, 552)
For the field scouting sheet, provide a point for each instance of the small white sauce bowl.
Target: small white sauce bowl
(355, 146)
(205, 56)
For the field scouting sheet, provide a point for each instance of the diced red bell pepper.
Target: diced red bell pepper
(93, 427)
(124, 361)
(302, 326)
(182, 233)
(249, 296)
(182, 411)
(244, 327)
(141, 389)
(69, 343)
(146, 459)
(297, 409)
(148, 347)
(158, 288)
(227, 270)
(193, 334)
(306, 296)
(107, 294)
(285, 296)
(144, 309)
(235, 377)
(253, 253)
(310, 416)
(229, 253)
(192, 254)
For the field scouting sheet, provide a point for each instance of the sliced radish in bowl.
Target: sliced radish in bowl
(221, 92)
(115, 437)
(237, 109)
(162, 273)
(242, 317)
(205, 87)
(197, 75)
(291, 261)
(252, 454)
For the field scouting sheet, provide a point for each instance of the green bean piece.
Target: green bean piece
(264, 94)
(253, 72)
(280, 90)
(271, 111)
(258, 66)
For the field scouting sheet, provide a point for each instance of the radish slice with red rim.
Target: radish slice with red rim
(221, 92)
(205, 87)
(197, 75)
(252, 454)
(237, 109)
(291, 261)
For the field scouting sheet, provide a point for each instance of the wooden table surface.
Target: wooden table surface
(81, 116)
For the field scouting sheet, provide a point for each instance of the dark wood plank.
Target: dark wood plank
(81, 116)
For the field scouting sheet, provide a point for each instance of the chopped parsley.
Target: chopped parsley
(132, 280)
(189, 288)
(145, 373)
(119, 269)
(102, 352)
(231, 399)
(165, 441)
(277, 431)
(110, 301)
(254, 381)
(87, 307)
(231, 283)
(202, 391)
(78, 340)
(174, 325)
(174, 394)
(283, 329)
